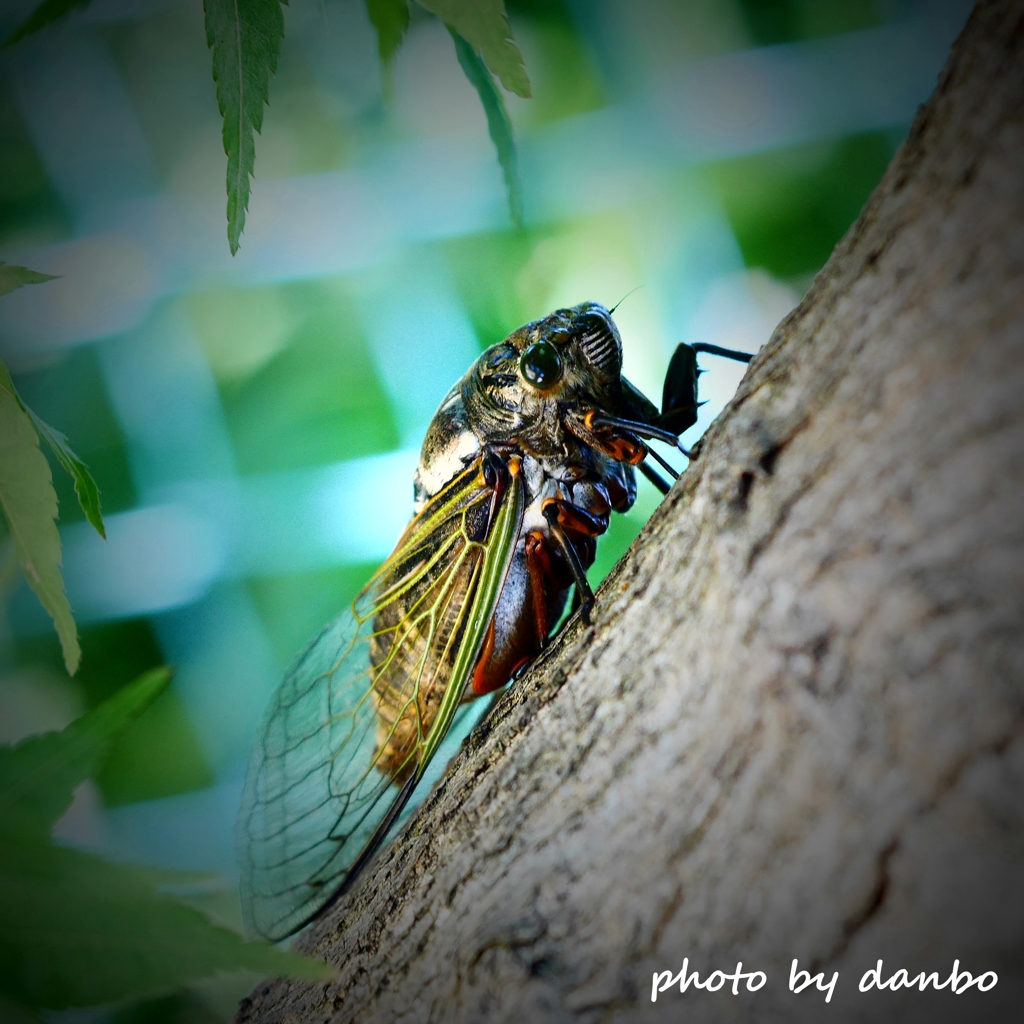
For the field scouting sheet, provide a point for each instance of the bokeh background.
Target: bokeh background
(253, 422)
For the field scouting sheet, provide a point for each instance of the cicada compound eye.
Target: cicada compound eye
(541, 365)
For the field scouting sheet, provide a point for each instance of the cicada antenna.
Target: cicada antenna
(623, 299)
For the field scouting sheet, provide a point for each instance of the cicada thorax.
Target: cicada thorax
(417, 627)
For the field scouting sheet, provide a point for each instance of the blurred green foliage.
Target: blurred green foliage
(78, 930)
(158, 754)
(245, 40)
(27, 497)
(567, 80)
(782, 21)
(317, 399)
(180, 1008)
(789, 207)
(487, 269)
(499, 127)
(28, 201)
(294, 605)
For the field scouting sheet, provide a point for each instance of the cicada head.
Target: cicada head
(522, 387)
(573, 350)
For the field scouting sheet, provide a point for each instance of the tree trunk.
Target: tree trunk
(795, 727)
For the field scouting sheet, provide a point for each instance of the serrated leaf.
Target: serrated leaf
(78, 931)
(484, 25)
(13, 277)
(245, 37)
(498, 124)
(86, 491)
(391, 19)
(38, 777)
(30, 507)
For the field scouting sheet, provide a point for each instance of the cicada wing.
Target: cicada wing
(361, 712)
(299, 800)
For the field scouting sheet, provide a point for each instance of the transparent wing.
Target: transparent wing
(363, 709)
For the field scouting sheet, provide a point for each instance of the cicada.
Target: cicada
(522, 466)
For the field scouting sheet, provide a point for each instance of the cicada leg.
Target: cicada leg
(656, 478)
(481, 683)
(728, 353)
(679, 403)
(495, 472)
(565, 520)
(651, 453)
(541, 573)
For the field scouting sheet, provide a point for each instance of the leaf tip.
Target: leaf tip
(72, 653)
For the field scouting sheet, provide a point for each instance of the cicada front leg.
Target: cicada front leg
(622, 440)
(575, 525)
(679, 403)
(548, 575)
(496, 471)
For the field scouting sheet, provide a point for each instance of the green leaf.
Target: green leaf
(78, 931)
(483, 24)
(86, 491)
(498, 123)
(38, 777)
(391, 19)
(30, 506)
(245, 36)
(13, 277)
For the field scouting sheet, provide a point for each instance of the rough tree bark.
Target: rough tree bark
(795, 728)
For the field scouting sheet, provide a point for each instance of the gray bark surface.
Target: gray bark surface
(795, 727)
